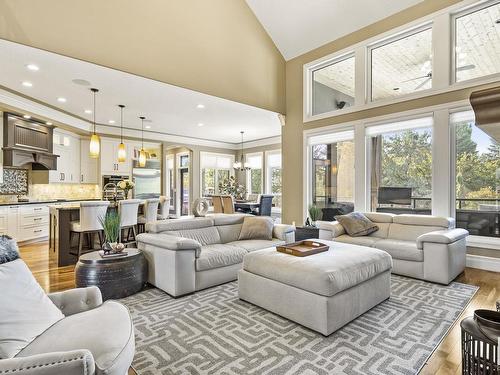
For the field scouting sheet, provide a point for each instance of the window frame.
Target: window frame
(268, 189)
(248, 173)
(216, 170)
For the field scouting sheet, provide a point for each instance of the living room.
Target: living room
(237, 128)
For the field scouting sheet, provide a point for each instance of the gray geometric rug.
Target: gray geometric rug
(213, 332)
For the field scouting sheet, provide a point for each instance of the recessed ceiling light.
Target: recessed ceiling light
(32, 67)
(200, 106)
(88, 111)
(147, 127)
(81, 82)
(111, 121)
(27, 116)
(200, 124)
(61, 100)
(48, 123)
(27, 84)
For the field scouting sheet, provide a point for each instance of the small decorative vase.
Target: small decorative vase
(108, 247)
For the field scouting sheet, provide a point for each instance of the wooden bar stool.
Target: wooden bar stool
(150, 214)
(91, 215)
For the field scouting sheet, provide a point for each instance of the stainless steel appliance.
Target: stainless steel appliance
(110, 191)
(147, 180)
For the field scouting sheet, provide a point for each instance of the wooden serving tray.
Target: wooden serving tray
(303, 248)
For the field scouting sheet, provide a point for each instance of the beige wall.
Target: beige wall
(217, 47)
(292, 136)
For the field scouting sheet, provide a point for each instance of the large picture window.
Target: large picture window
(477, 177)
(215, 168)
(333, 86)
(400, 157)
(273, 176)
(254, 175)
(477, 43)
(402, 66)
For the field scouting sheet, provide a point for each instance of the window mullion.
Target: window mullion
(442, 50)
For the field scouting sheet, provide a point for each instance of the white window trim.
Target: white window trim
(268, 189)
(230, 169)
(442, 75)
(248, 180)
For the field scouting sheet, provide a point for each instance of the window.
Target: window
(333, 86)
(215, 168)
(477, 43)
(402, 66)
(273, 177)
(477, 177)
(400, 155)
(170, 178)
(332, 170)
(254, 175)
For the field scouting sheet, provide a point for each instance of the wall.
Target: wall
(325, 98)
(217, 47)
(292, 136)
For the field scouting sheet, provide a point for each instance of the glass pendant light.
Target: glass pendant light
(95, 142)
(122, 152)
(142, 153)
(241, 165)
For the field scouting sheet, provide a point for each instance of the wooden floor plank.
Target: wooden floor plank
(445, 360)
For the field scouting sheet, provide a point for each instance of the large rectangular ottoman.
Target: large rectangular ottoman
(323, 291)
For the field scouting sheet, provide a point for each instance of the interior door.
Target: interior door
(184, 191)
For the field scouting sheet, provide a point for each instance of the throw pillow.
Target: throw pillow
(257, 228)
(8, 249)
(26, 311)
(356, 224)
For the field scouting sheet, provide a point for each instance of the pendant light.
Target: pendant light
(95, 143)
(241, 165)
(142, 153)
(122, 152)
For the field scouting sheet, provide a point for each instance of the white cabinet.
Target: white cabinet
(68, 164)
(25, 222)
(88, 165)
(109, 158)
(13, 222)
(4, 211)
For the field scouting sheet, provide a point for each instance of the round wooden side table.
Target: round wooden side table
(115, 277)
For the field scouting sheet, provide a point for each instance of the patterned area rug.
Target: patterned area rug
(213, 332)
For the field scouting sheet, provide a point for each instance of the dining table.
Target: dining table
(245, 206)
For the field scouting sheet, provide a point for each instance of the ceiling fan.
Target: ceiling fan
(428, 76)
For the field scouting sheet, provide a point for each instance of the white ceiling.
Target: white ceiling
(171, 109)
(299, 26)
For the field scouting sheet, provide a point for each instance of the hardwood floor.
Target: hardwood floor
(445, 360)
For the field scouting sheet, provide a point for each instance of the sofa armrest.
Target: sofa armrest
(168, 242)
(77, 300)
(284, 232)
(75, 362)
(446, 236)
(330, 226)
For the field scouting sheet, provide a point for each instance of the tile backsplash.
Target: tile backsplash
(15, 181)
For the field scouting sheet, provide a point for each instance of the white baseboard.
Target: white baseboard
(484, 263)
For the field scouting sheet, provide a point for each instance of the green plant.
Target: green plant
(111, 226)
(230, 187)
(314, 212)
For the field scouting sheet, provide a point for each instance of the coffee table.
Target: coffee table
(115, 277)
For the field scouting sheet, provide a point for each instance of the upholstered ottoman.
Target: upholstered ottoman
(324, 291)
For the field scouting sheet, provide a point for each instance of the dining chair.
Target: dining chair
(128, 210)
(164, 208)
(227, 204)
(150, 214)
(265, 205)
(92, 214)
(217, 203)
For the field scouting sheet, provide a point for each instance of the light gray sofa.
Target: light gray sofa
(424, 247)
(187, 255)
(83, 337)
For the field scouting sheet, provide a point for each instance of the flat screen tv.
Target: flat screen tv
(394, 195)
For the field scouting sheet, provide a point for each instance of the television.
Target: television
(394, 195)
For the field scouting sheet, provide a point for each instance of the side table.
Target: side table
(115, 277)
(305, 232)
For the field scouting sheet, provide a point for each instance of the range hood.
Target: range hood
(27, 142)
(486, 106)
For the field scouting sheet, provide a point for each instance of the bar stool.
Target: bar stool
(91, 215)
(164, 208)
(150, 214)
(128, 209)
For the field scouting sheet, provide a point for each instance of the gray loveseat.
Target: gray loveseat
(425, 247)
(187, 255)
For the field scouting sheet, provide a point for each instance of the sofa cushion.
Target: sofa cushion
(356, 224)
(106, 331)
(407, 232)
(205, 236)
(398, 249)
(257, 228)
(327, 273)
(252, 245)
(379, 217)
(179, 224)
(229, 233)
(26, 311)
(362, 241)
(219, 255)
(8, 249)
(383, 230)
(228, 219)
(425, 220)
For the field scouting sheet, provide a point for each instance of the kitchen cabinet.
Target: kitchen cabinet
(3, 220)
(68, 164)
(25, 222)
(13, 221)
(88, 166)
(109, 158)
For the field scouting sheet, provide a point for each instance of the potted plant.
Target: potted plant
(314, 214)
(230, 187)
(111, 227)
(126, 186)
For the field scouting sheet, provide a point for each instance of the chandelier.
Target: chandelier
(241, 165)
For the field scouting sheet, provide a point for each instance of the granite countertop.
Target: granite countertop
(45, 201)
